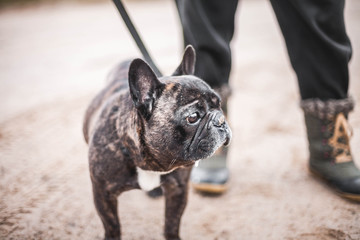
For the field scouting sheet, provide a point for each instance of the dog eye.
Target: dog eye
(193, 118)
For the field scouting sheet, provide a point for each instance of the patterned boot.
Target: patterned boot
(211, 175)
(329, 134)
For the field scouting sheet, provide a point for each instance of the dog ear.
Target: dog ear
(187, 65)
(144, 86)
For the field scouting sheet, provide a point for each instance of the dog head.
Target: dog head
(180, 119)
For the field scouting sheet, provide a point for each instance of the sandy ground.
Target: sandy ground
(54, 58)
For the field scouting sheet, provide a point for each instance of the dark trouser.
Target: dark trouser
(314, 32)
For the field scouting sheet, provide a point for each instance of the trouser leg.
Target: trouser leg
(318, 46)
(319, 51)
(208, 25)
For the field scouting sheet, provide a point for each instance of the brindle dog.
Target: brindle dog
(145, 131)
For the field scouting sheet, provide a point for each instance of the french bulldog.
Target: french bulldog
(144, 132)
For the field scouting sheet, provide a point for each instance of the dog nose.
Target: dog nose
(219, 119)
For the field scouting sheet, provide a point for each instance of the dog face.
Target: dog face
(180, 116)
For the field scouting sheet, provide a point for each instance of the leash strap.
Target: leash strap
(136, 36)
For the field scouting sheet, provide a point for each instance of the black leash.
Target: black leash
(136, 36)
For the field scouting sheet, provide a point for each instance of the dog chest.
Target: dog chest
(148, 180)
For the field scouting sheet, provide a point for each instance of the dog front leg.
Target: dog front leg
(106, 206)
(175, 186)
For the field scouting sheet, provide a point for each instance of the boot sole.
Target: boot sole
(209, 188)
(348, 196)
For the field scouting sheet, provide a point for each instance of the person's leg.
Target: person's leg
(208, 25)
(319, 51)
(318, 46)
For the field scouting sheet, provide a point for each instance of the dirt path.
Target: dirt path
(54, 58)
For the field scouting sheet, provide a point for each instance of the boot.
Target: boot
(329, 134)
(211, 175)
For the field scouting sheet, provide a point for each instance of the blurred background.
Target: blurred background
(7, 4)
(54, 57)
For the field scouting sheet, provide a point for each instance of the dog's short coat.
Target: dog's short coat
(144, 131)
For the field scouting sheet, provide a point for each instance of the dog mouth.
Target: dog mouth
(208, 146)
(204, 146)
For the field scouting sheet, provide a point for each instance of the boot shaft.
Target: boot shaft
(329, 139)
(328, 130)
